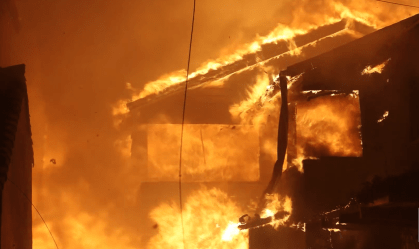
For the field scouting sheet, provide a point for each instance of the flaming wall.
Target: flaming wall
(381, 66)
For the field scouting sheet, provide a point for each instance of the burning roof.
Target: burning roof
(270, 58)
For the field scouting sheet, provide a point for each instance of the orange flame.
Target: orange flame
(328, 126)
(275, 204)
(207, 221)
(280, 32)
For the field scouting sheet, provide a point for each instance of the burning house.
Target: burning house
(381, 69)
(16, 160)
(352, 115)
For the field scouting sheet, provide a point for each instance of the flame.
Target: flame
(274, 204)
(207, 221)
(328, 126)
(280, 32)
(259, 103)
(231, 231)
(165, 81)
(208, 214)
(377, 69)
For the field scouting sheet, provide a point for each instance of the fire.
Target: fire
(231, 231)
(280, 32)
(377, 69)
(275, 204)
(259, 103)
(329, 126)
(208, 216)
(165, 81)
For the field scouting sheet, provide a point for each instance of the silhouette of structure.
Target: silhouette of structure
(16, 160)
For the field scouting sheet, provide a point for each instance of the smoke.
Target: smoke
(79, 57)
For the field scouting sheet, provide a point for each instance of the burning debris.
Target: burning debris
(376, 69)
(276, 213)
(385, 115)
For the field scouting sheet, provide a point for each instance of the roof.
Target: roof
(350, 59)
(13, 96)
(209, 103)
(270, 54)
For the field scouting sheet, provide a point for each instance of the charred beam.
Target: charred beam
(282, 135)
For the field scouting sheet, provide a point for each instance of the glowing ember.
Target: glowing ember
(377, 69)
(299, 226)
(385, 115)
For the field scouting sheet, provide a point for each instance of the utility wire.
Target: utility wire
(20, 190)
(203, 148)
(183, 122)
(406, 5)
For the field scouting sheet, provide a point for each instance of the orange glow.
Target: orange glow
(210, 152)
(124, 146)
(208, 216)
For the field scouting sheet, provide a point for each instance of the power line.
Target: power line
(183, 122)
(203, 148)
(50, 233)
(406, 5)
